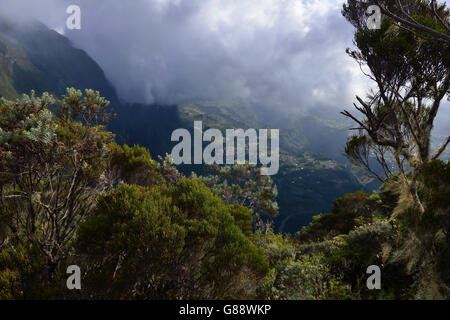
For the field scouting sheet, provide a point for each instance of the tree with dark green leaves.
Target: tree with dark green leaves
(168, 242)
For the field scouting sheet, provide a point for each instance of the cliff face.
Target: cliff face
(35, 57)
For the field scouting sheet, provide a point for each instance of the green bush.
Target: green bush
(172, 242)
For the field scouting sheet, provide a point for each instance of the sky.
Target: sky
(283, 54)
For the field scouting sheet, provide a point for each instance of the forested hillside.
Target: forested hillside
(84, 181)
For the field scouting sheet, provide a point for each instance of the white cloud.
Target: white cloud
(268, 52)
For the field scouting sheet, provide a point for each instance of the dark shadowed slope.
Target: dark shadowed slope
(33, 57)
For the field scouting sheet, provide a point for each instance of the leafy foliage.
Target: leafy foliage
(167, 242)
(297, 276)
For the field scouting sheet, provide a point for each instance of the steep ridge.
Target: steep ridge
(33, 57)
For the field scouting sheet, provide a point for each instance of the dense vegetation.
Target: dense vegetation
(70, 194)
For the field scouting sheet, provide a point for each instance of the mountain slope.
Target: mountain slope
(34, 57)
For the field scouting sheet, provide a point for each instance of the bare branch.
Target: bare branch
(438, 153)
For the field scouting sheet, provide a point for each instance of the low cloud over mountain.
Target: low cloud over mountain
(283, 54)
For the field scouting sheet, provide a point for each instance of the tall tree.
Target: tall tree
(412, 78)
